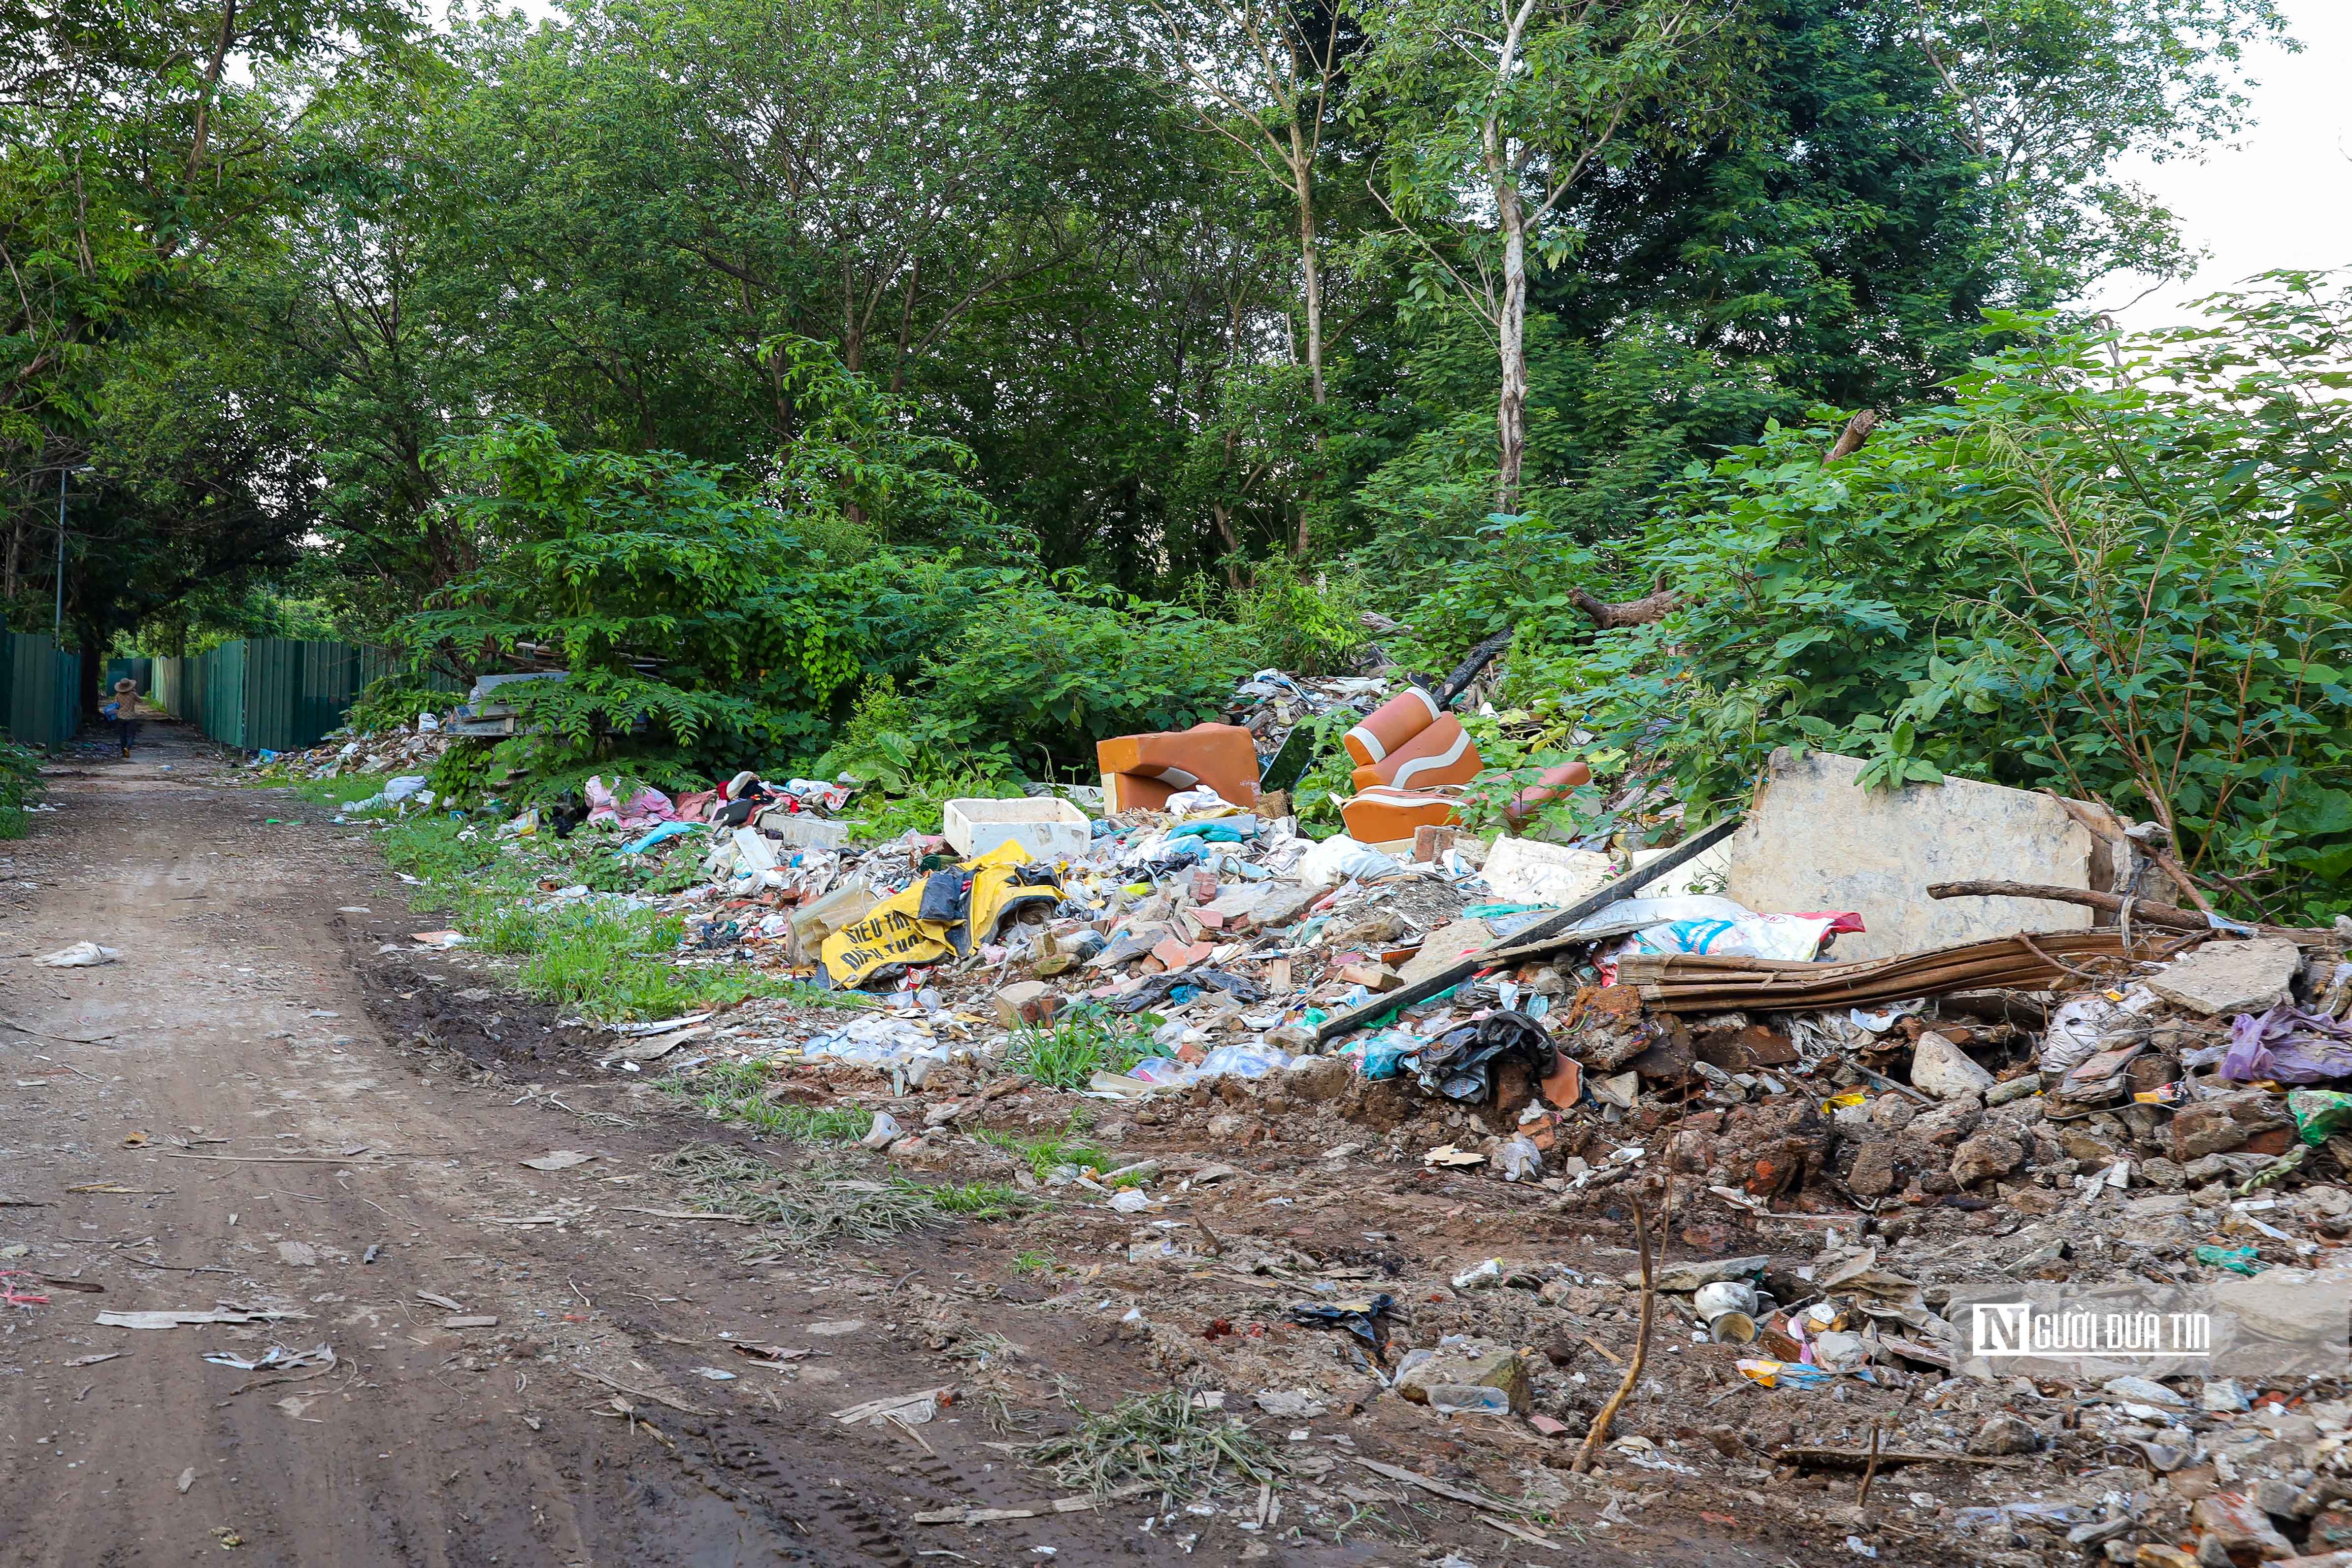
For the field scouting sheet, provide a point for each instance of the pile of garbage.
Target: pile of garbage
(397, 752)
(1884, 1060)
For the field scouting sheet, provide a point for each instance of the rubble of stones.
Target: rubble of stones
(1850, 1172)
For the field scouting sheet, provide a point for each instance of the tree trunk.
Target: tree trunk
(1511, 343)
(905, 329)
(1310, 262)
(1510, 320)
(853, 340)
(1656, 605)
(92, 672)
(1850, 439)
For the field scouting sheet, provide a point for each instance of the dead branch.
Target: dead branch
(1596, 1439)
(1473, 663)
(2144, 912)
(1870, 1471)
(1850, 439)
(1654, 605)
(2165, 916)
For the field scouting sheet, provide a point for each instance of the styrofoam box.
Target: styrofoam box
(804, 830)
(1049, 829)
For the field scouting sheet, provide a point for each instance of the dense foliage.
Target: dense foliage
(2126, 584)
(927, 390)
(707, 624)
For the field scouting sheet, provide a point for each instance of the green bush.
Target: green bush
(2124, 587)
(20, 783)
(1306, 626)
(393, 702)
(706, 627)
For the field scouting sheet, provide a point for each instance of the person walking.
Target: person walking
(126, 711)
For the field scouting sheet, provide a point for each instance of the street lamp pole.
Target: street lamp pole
(57, 627)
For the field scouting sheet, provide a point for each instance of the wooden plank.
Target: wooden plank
(1552, 925)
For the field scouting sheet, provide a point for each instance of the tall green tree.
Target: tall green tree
(1523, 102)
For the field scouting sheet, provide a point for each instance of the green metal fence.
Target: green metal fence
(140, 670)
(278, 694)
(42, 687)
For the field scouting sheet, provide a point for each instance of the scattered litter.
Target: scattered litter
(910, 1409)
(80, 955)
(187, 1317)
(277, 1358)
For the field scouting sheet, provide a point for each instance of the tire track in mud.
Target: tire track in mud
(736, 1459)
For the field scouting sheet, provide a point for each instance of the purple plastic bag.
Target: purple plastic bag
(2287, 1045)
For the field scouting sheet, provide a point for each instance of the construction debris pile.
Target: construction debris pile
(1868, 1108)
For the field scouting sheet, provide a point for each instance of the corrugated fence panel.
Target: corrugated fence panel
(278, 694)
(330, 679)
(273, 688)
(227, 695)
(142, 672)
(44, 690)
(67, 696)
(375, 663)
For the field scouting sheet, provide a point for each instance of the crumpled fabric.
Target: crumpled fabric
(1460, 1063)
(639, 812)
(816, 792)
(1155, 986)
(2287, 1045)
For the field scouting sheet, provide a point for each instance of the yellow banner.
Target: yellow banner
(891, 935)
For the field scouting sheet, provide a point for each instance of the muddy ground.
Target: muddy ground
(258, 1107)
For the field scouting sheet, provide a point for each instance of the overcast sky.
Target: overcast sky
(2282, 196)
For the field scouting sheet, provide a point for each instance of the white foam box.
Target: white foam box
(1049, 829)
(804, 829)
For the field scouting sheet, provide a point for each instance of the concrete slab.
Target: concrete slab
(2222, 979)
(1815, 840)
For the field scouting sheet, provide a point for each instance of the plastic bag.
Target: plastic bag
(1243, 1062)
(1340, 857)
(1757, 936)
(2319, 1114)
(1521, 1161)
(2075, 1030)
(2287, 1045)
(1381, 1055)
(1460, 1064)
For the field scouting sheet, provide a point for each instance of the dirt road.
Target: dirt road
(239, 1134)
(219, 1120)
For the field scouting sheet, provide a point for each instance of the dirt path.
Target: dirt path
(232, 1046)
(216, 1120)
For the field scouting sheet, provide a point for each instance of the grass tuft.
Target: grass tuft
(1070, 1050)
(1048, 1152)
(804, 1210)
(1160, 1440)
(736, 1091)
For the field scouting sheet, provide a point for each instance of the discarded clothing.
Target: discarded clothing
(667, 830)
(947, 897)
(1367, 1320)
(641, 811)
(1156, 986)
(2287, 1045)
(1460, 1063)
